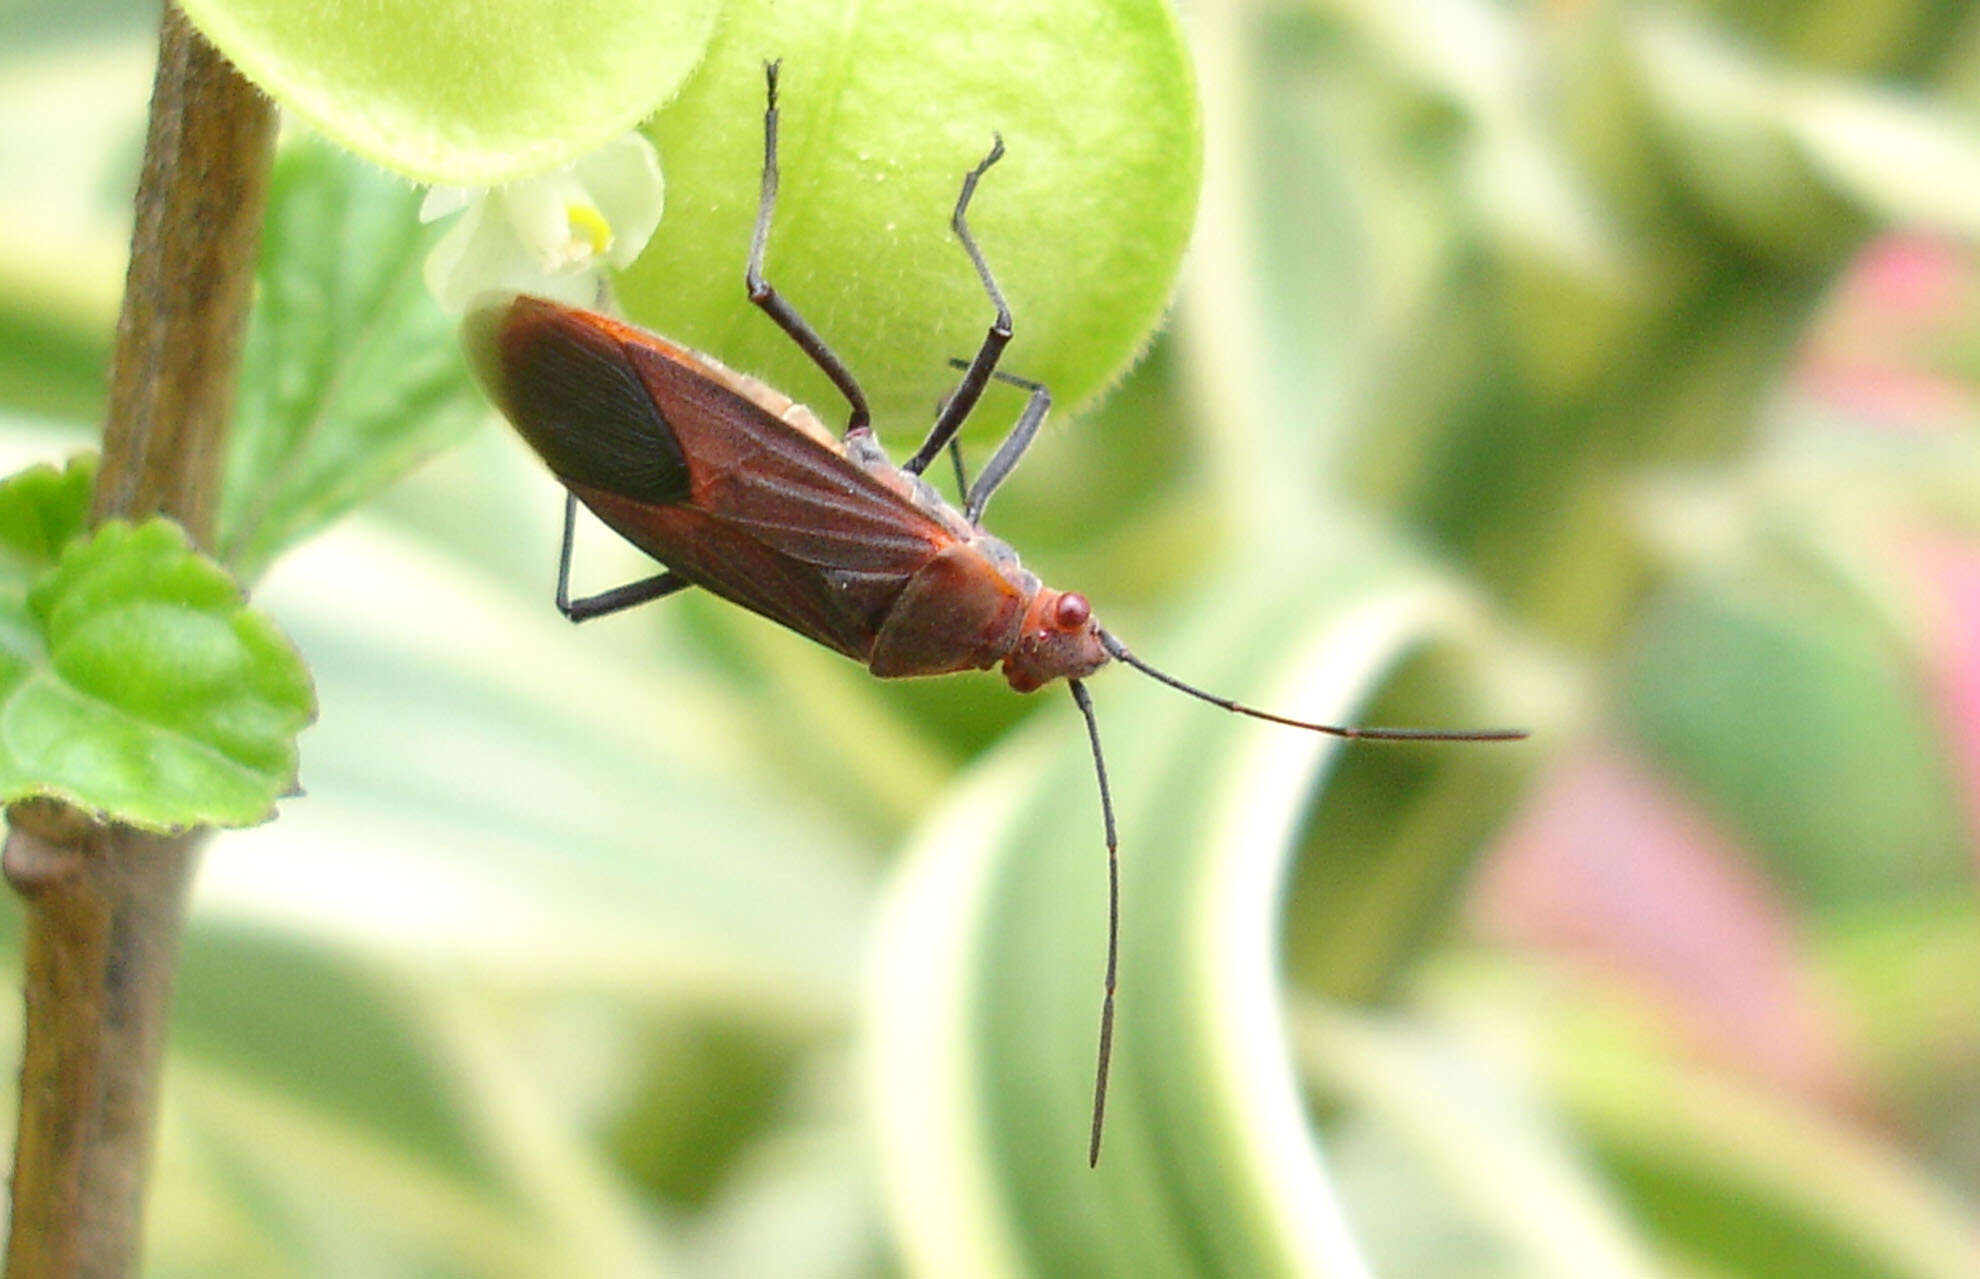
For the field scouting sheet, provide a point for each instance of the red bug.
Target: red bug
(744, 493)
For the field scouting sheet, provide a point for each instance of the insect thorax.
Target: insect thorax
(863, 449)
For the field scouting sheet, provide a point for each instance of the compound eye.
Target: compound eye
(1072, 611)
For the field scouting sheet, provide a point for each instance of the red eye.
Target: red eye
(1072, 611)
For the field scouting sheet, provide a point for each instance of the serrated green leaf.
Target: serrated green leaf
(147, 691)
(477, 93)
(985, 1008)
(351, 375)
(41, 510)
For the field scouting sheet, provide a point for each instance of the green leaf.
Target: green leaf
(41, 511)
(351, 375)
(250, 1002)
(1724, 111)
(1791, 710)
(146, 690)
(329, 1112)
(50, 362)
(990, 958)
(1901, 968)
(586, 808)
(471, 94)
(1742, 1178)
(1908, 160)
(1491, 1164)
(1384, 859)
(884, 108)
(406, 1129)
(72, 98)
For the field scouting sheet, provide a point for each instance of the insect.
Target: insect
(743, 493)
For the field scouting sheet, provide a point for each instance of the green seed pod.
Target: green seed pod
(1084, 221)
(463, 94)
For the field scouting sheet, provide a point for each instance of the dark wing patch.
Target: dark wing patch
(564, 379)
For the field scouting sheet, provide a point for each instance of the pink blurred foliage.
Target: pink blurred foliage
(1945, 572)
(1920, 280)
(1900, 401)
(1885, 352)
(1612, 869)
(1882, 349)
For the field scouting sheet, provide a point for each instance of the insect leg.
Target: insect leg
(962, 475)
(1005, 459)
(955, 446)
(613, 601)
(1008, 454)
(763, 295)
(999, 336)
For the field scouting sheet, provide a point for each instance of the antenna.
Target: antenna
(1120, 650)
(1113, 921)
(1085, 703)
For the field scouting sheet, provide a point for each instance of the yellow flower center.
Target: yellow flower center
(591, 234)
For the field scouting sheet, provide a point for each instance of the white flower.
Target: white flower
(552, 235)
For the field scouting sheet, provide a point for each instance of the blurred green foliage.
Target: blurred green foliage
(1535, 365)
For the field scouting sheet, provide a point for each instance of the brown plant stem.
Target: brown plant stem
(199, 205)
(105, 906)
(106, 903)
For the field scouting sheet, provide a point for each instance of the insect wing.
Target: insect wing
(688, 461)
(797, 494)
(723, 559)
(562, 378)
